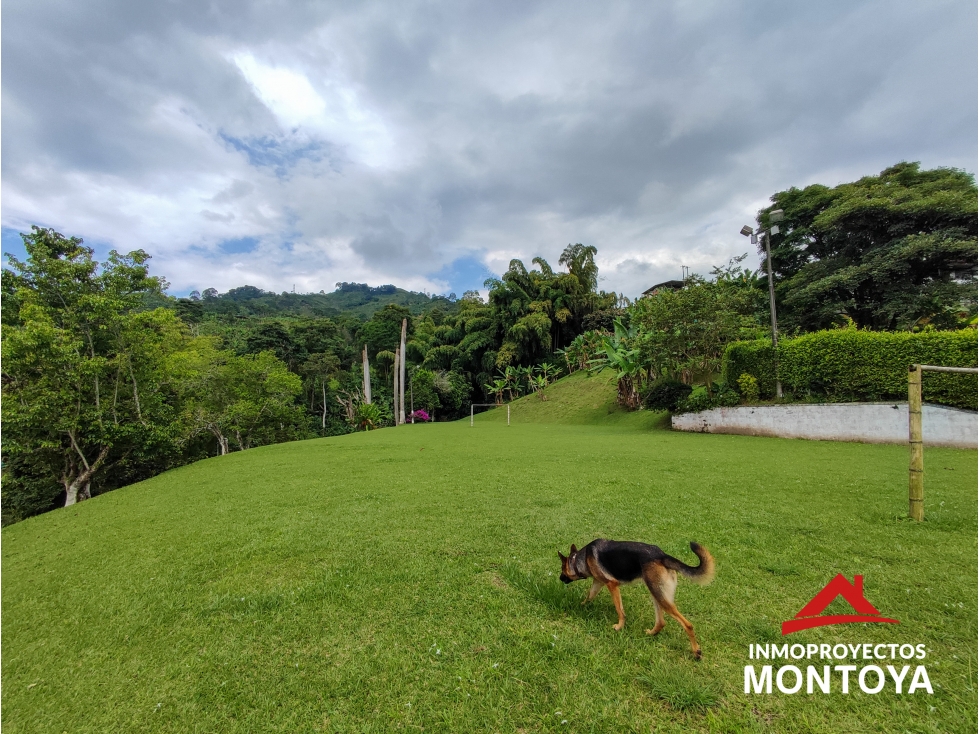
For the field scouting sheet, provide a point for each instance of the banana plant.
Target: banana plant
(545, 368)
(539, 383)
(622, 356)
(512, 379)
(526, 376)
(496, 389)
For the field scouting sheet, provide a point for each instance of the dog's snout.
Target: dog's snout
(565, 578)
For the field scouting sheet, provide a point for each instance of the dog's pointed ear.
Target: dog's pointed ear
(574, 549)
(562, 557)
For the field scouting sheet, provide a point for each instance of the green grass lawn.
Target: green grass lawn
(407, 579)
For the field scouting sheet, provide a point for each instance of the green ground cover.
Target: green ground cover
(407, 579)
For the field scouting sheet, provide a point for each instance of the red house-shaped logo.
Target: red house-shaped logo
(809, 616)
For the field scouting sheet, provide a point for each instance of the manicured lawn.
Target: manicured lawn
(406, 579)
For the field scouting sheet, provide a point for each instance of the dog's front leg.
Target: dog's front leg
(596, 586)
(617, 598)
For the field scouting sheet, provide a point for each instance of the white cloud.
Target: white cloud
(288, 94)
(336, 114)
(379, 144)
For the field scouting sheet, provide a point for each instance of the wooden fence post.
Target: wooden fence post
(916, 485)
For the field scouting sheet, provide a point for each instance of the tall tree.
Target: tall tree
(241, 401)
(82, 365)
(683, 333)
(539, 311)
(893, 251)
(382, 332)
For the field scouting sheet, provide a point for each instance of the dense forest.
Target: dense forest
(108, 380)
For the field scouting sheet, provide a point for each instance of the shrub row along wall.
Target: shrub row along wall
(849, 365)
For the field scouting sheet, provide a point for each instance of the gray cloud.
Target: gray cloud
(356, 142)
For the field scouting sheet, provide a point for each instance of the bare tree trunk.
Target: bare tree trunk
(348, 404)
(98, 402)
(394, 399)
(400, 407)
(367, 378)
(115, 399)
(324, 406)
(222, 441)
(79, 488)
(132, 376)
(71, 493)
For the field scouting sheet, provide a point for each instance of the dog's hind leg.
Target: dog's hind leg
(596, 586)
(617, 598)
(668, 590)
(650, 575)
(660, 620)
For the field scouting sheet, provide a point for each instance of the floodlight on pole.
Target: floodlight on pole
(775, 215)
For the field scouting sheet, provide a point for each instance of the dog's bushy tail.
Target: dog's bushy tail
(702, 574)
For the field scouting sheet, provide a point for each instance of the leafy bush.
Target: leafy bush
(697, 400)
(852, 365)
(603, 320)
(433, 390)
(368, 416)
(748, 386)
(726, 397)
(666, 394)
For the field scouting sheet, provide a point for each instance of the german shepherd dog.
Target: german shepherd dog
(614, 562)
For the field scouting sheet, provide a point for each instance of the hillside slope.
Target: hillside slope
(579, 399)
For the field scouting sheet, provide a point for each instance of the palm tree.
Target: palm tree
(581, 264)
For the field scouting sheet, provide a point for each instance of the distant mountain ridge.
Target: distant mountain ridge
(358, 299)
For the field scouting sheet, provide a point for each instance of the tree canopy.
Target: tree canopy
(892, 251)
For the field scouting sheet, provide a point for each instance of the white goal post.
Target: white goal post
(487, 405)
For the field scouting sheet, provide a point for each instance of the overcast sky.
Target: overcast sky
(285, 144)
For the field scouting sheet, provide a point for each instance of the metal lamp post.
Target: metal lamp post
(775, 215)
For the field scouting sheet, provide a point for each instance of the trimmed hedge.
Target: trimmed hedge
(846, 365)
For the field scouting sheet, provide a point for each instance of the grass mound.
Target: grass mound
(578, 399)
(407, 579)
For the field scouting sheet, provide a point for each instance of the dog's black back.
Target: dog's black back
(623, 559)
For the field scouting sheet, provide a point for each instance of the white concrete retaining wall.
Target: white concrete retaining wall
(865, 422)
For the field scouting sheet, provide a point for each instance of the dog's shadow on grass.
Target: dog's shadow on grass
(551, 592)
